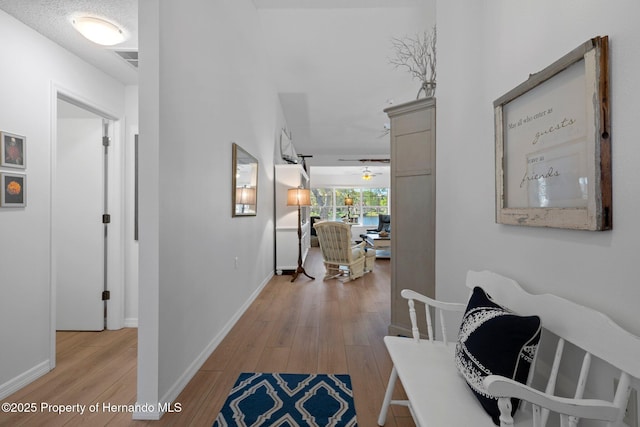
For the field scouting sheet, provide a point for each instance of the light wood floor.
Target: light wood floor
(301, 327)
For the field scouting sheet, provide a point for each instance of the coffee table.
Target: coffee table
(382, 245)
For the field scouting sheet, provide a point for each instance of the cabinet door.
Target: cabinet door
(412, 209)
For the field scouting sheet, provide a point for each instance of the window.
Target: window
(368, 203)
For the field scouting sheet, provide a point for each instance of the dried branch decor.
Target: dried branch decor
(418, 56)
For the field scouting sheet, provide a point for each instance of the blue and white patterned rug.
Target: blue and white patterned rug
(289, 400)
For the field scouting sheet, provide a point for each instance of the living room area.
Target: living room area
(345, 193)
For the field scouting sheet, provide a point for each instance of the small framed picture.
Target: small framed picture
(13, 150)
(14, 190)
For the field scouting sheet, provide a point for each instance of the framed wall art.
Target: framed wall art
(553, 145)
(13, 150)
(287, 150)
(14, 190)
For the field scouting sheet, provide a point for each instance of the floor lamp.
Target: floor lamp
(348, 201)
(299, 197)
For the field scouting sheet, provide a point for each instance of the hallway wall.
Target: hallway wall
(192, 288)
(33, 66)
(485, 49)
(131, 245)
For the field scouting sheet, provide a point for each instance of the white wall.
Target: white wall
(130, 244)
(485, 49)
(204, 84)
(33, 66)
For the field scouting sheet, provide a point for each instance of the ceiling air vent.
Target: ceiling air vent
(131, 56)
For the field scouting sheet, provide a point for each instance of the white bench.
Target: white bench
(438, 395)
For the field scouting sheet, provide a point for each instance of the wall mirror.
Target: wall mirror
(244, 193)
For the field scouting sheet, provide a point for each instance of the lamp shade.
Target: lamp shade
(246, 195)
(348, 201)
(298, 197)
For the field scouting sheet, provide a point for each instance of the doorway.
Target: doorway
(68, 170)
(104, 179)
(79, 231)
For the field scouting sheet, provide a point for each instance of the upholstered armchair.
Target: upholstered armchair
(339, 255)
(384, 224)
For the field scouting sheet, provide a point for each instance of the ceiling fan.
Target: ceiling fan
(366, 160)
(367, 174)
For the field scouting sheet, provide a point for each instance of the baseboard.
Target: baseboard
(399, 331)
(24, 379)
(131, 322)
(184, 379)
(142, 415)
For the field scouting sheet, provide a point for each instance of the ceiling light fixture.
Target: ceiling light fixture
(99, 30)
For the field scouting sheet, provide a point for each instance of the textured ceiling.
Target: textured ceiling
(52, 18)
(330, 61)
(332, 4)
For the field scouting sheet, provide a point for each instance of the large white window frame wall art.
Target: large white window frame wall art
(553, 145)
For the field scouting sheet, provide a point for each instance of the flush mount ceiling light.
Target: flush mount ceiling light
(99, 30)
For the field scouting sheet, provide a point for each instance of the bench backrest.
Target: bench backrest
(588, 329)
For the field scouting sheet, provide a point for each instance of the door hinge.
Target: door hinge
(106, 295)
(106, 219)
(106, 141)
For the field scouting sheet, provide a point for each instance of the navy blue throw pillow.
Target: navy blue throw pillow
(495, 341)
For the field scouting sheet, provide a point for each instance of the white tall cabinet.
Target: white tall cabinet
(286, 177)
(413, 206)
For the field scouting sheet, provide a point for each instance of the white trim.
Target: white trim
(360, 207)
(60, 92)
(131, 322)
(117, 201)
(23, 379)
(52, 252)
(184, 379)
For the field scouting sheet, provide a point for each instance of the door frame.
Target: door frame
(115, 237)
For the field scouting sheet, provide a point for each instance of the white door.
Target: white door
(79, 234)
